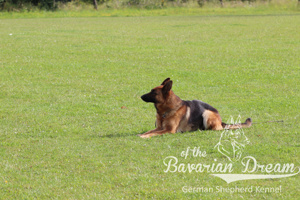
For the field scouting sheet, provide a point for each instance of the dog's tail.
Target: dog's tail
(246, 124)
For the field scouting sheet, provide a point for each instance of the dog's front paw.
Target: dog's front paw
(145, 136)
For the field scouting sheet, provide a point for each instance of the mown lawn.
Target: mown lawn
(64, 81)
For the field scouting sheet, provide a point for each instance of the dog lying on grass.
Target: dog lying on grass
(175, 115)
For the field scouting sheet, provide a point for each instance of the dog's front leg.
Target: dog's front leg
(151, 131)
(170, 126)
(155, 133)
(157, 125)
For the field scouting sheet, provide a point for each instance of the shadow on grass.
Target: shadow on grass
(117, 135)
(120, 135)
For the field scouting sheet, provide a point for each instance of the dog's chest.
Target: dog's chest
(184, 125)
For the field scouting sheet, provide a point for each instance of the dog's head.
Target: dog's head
(160, 93)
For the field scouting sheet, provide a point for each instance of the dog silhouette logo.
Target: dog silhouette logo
(232, 142)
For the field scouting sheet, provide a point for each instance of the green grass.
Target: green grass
(64, 80)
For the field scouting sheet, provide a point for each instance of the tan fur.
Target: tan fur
(184, 125)
(169, 123)
(212, 120)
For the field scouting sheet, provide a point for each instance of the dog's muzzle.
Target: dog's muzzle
(147, 98)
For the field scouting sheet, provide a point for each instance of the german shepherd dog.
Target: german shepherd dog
(175, 115)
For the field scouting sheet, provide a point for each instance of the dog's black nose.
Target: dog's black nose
(146, 98)
(143, 97)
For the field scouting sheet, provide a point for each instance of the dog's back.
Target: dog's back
(201, 116)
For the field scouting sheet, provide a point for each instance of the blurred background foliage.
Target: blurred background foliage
(30, 5)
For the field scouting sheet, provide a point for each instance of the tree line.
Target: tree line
(53, 4)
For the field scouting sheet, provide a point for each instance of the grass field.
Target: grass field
(63, 82)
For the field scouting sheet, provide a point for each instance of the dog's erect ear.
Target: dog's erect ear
(165, 81)
(167, 87)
